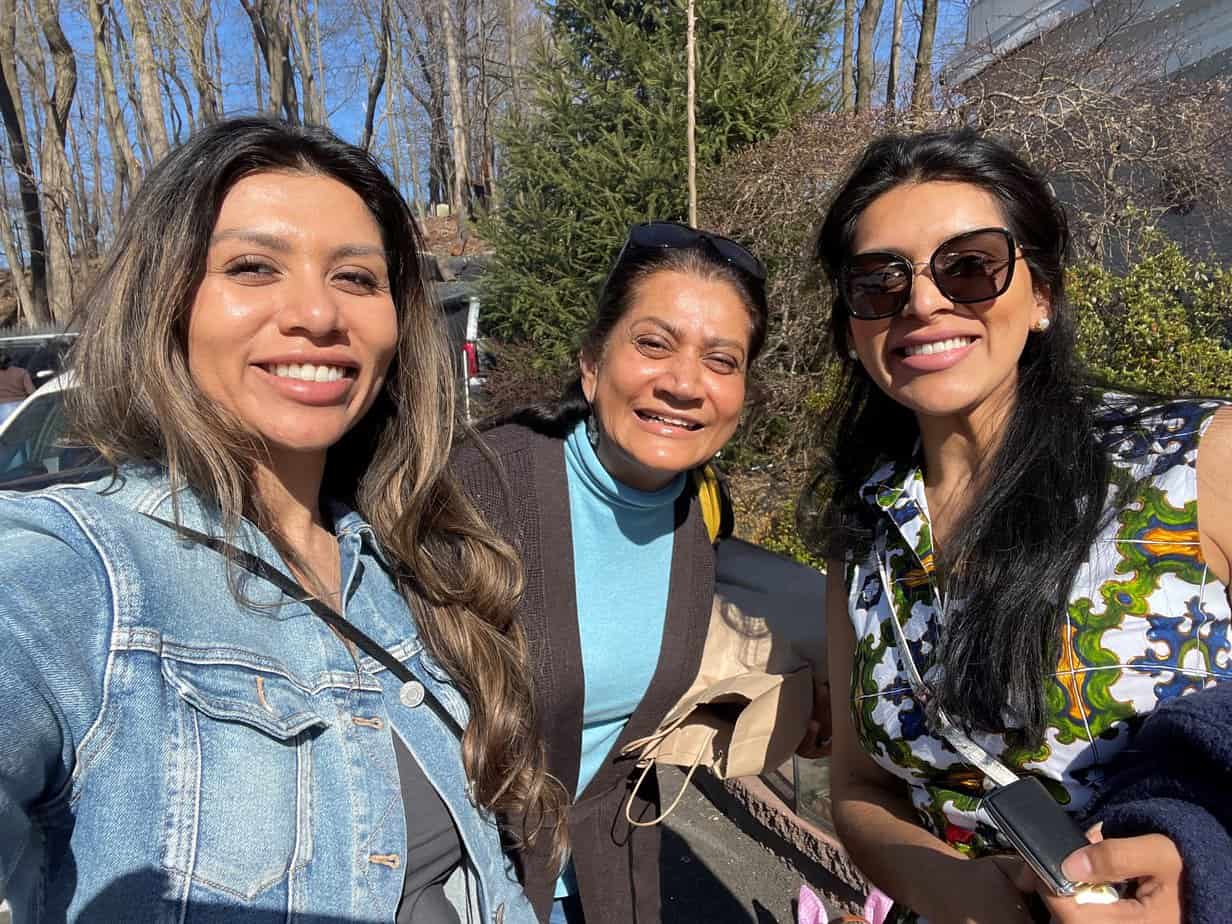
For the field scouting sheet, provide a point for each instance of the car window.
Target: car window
(32, 441)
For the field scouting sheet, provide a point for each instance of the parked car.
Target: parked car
(41, 353)
(460, 306)
(34, 449)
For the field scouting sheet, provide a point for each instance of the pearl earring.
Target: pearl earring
(1042, 325)
(852, 354)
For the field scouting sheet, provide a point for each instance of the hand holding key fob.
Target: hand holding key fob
(1043, 833)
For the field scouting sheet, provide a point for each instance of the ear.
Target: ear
(1043, 301)
(590, 375)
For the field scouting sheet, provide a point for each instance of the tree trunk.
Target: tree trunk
(407, 130)
(511, 49)
(392, 127)
(56, 177)
(870, 14)
(171, 81)
(10, 247)
(85, 221)
(196, 23)
(127, 166)
(461, 179)
(922, 81)
(896, 44)
(130, 82)
(272, 32)
(38, 310)
(148, 82)
(314, 104)
(377, 82)
(258, 56)
(847, 92)
(691, 115)
(427, 55)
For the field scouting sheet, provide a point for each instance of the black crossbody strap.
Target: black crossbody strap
(293, 589)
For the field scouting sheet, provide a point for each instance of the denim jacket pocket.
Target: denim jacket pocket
(239, 775)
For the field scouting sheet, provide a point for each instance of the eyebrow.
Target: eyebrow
(282, 245)
(709, 341)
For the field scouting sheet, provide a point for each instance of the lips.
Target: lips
(669, 420)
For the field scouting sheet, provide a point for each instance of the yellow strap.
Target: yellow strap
(710, 495)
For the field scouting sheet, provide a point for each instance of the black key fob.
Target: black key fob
(1041, 831)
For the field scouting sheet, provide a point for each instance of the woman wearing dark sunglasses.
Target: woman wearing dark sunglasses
(1057, 556)
(603, 503)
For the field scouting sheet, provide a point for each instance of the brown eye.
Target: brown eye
(359, 281)
(248, 269)
(651, 346)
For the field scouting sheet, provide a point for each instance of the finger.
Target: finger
(1120, 858)
(1068, 911)
(1095, 833)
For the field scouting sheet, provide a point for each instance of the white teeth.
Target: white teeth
(307, 372)
(939, 346)
(670, 421)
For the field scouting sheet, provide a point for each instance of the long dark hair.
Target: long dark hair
(1036, 504)
(632, 267)
(137, 401)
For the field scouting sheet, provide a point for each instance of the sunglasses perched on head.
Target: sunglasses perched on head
(671, 235)
(975, 266)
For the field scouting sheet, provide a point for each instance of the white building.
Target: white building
(1196, 33)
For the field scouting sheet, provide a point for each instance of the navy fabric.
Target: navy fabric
(1174, 780)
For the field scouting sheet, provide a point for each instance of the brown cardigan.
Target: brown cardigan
(527, 500)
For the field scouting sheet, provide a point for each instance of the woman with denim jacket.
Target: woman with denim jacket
(181, 740)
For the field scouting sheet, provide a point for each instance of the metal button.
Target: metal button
(412, 693)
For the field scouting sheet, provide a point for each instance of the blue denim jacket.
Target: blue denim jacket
(168, 754)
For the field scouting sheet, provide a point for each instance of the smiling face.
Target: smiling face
(937, 357)
(669, 387)
(293, 327)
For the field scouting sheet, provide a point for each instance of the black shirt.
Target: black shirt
(433, 848)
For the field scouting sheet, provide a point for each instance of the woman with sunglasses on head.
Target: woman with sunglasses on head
(599, 492)
(1052, 560)
(264, 672)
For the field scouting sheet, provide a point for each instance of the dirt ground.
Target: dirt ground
(441, 235)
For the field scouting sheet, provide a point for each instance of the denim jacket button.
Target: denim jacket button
(412, 693)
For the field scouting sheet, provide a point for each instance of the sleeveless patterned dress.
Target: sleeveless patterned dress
(1147, 621)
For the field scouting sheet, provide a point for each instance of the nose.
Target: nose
(925, 298)
(683, 377)
(311, 309)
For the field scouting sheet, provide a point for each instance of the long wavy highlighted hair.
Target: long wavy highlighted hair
(137, 402)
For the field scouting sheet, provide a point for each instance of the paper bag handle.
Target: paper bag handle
(683, 786)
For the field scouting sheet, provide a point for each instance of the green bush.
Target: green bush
(1161, 325)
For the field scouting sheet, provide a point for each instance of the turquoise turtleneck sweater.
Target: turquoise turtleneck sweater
(622, 559)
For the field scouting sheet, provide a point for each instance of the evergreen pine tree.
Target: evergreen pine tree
(603, 145)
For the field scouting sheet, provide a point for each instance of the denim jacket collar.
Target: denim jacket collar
(151, 492)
